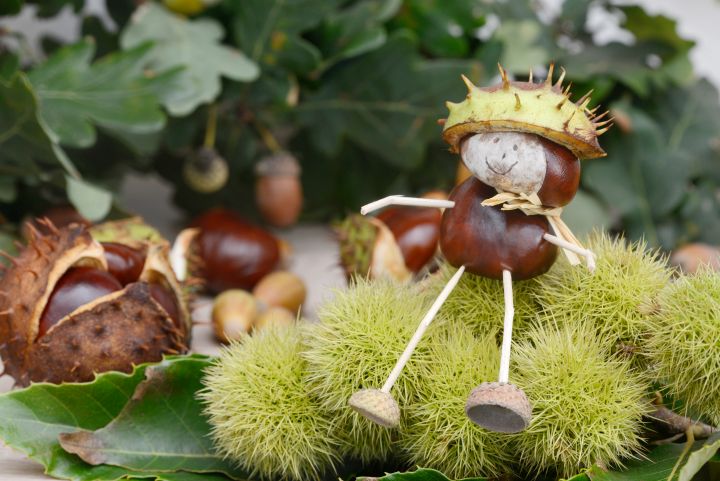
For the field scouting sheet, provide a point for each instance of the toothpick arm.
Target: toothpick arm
(587, 253)
(402, 200)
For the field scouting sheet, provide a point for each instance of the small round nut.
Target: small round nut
(281, 289)
(233, 314)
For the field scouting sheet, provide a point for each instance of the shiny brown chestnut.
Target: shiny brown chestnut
(488, 240)
(234, 254)
(77, 287)
(416, 230)
(124, 262)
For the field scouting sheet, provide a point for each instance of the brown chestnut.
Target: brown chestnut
(281, 289)
(124, 262)
(77, 287)
(234, 254)
(488, 240)
(416, 230)
(562, 175)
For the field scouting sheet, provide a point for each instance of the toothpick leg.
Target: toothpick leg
(421, 330)
(587, 253)
(507, 327)
(402, 200)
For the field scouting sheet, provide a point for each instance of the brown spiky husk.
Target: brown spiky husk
(111, 333)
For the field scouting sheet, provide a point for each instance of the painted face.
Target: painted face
(509, 161)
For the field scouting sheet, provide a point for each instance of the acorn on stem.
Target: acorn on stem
(278, 191)
(206, 171)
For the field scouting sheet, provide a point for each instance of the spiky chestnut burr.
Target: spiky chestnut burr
(682, 347)
(261, 415)
(110, 330)
(615, 299)
(476, 301)
(588, 405)
(437, 433)
(369, 249)
(354, 346)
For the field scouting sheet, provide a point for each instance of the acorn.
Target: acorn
(281, 289)
(72, 307)
(206, 171)
(278, 191)
(369, 249)
(233, 314)
(225, 251)
(691, 257)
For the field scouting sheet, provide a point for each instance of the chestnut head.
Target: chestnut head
(521, 162)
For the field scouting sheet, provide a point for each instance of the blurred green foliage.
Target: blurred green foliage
(353, 89)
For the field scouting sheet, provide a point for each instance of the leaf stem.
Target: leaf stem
(268, 138)
(211, 127)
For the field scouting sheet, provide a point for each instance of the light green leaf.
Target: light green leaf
(192, 44)
(419, 475)
(91, 201)
(162, 427)
(114, 92)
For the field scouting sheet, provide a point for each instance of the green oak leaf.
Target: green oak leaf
(161, 428)
(387, 101)
(115, 93)
(269, 30)
(31, 420)
(192, 44)
(90, 200)
(659, 463)
(356, 30)
(26, 142)
(418, 475)
(11, 7)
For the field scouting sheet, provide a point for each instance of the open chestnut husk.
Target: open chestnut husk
(225, 251)
(65, 316)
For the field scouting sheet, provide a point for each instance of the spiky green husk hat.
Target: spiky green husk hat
(543, 108)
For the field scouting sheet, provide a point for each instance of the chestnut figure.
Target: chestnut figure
(521, 143)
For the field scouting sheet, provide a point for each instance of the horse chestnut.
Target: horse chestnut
(488, 240)
(77, 287)
(124, 262)
(233, 253)
(416, 230)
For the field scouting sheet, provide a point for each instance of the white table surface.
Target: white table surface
(315, 260)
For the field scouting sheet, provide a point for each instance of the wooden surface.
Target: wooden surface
(315, 260)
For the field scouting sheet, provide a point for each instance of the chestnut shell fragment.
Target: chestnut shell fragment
(487, 240)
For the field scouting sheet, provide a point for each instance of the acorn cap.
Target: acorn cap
(544, 109)
(377, 406)
(499, 407)
(280, 163)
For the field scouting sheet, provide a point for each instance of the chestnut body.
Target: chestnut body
(487, 240)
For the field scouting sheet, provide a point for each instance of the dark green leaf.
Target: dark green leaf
(192, 44)
(9, 64)
(114, 93)
(265, 28)
(50, 8)
(31, 420)
(660, 463)
(10, 7)
(419, 475)
(161, 428)
(387, 101)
